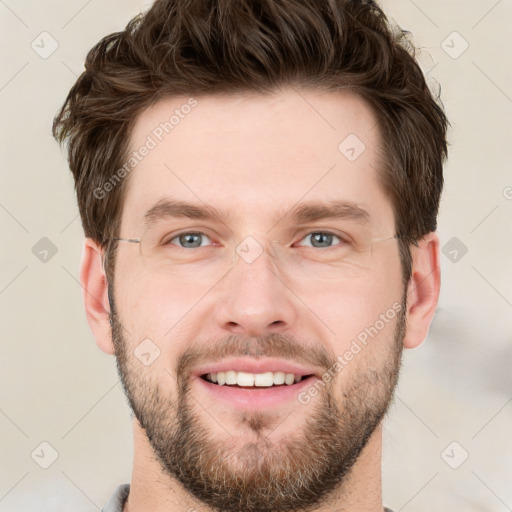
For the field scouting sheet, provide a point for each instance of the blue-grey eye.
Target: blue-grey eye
(189, 240)
(321, 239)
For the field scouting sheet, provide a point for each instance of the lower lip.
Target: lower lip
(257, 398)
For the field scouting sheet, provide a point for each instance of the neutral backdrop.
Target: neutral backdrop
(65, 430)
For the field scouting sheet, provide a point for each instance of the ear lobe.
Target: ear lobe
(95, 294)
(423, 290)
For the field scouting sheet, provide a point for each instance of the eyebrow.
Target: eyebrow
(299, 214)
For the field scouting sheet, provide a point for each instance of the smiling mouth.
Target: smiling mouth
(244, 380)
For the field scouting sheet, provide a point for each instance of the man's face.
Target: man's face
(285, 299)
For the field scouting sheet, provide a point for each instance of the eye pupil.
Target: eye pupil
(190, 238)
(322, 238)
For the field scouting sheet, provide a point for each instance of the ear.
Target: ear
(95, 294)
(423, 289)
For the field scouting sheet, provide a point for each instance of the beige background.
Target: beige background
(59, 388)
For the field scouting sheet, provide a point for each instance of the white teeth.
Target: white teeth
(245, 379)
(266, 379)
(279, 377)
(231, 377)
(289, 379)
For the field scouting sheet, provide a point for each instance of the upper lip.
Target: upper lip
(251, 365)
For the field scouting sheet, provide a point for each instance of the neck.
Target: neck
(152, 490)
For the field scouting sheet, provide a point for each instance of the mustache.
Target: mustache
(279, 345)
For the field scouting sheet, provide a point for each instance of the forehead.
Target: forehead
(253, 155)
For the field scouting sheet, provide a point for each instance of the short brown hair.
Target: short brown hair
(200, 47)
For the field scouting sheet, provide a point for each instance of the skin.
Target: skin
(255, 156)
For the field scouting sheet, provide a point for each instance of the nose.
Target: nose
(254, 298)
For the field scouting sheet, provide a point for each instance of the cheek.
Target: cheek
(365, 337)
(347, 308)
(153, 307)
(361, 317)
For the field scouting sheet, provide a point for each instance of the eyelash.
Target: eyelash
(342, 240)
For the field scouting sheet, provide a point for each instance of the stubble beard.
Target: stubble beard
(298, 472)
